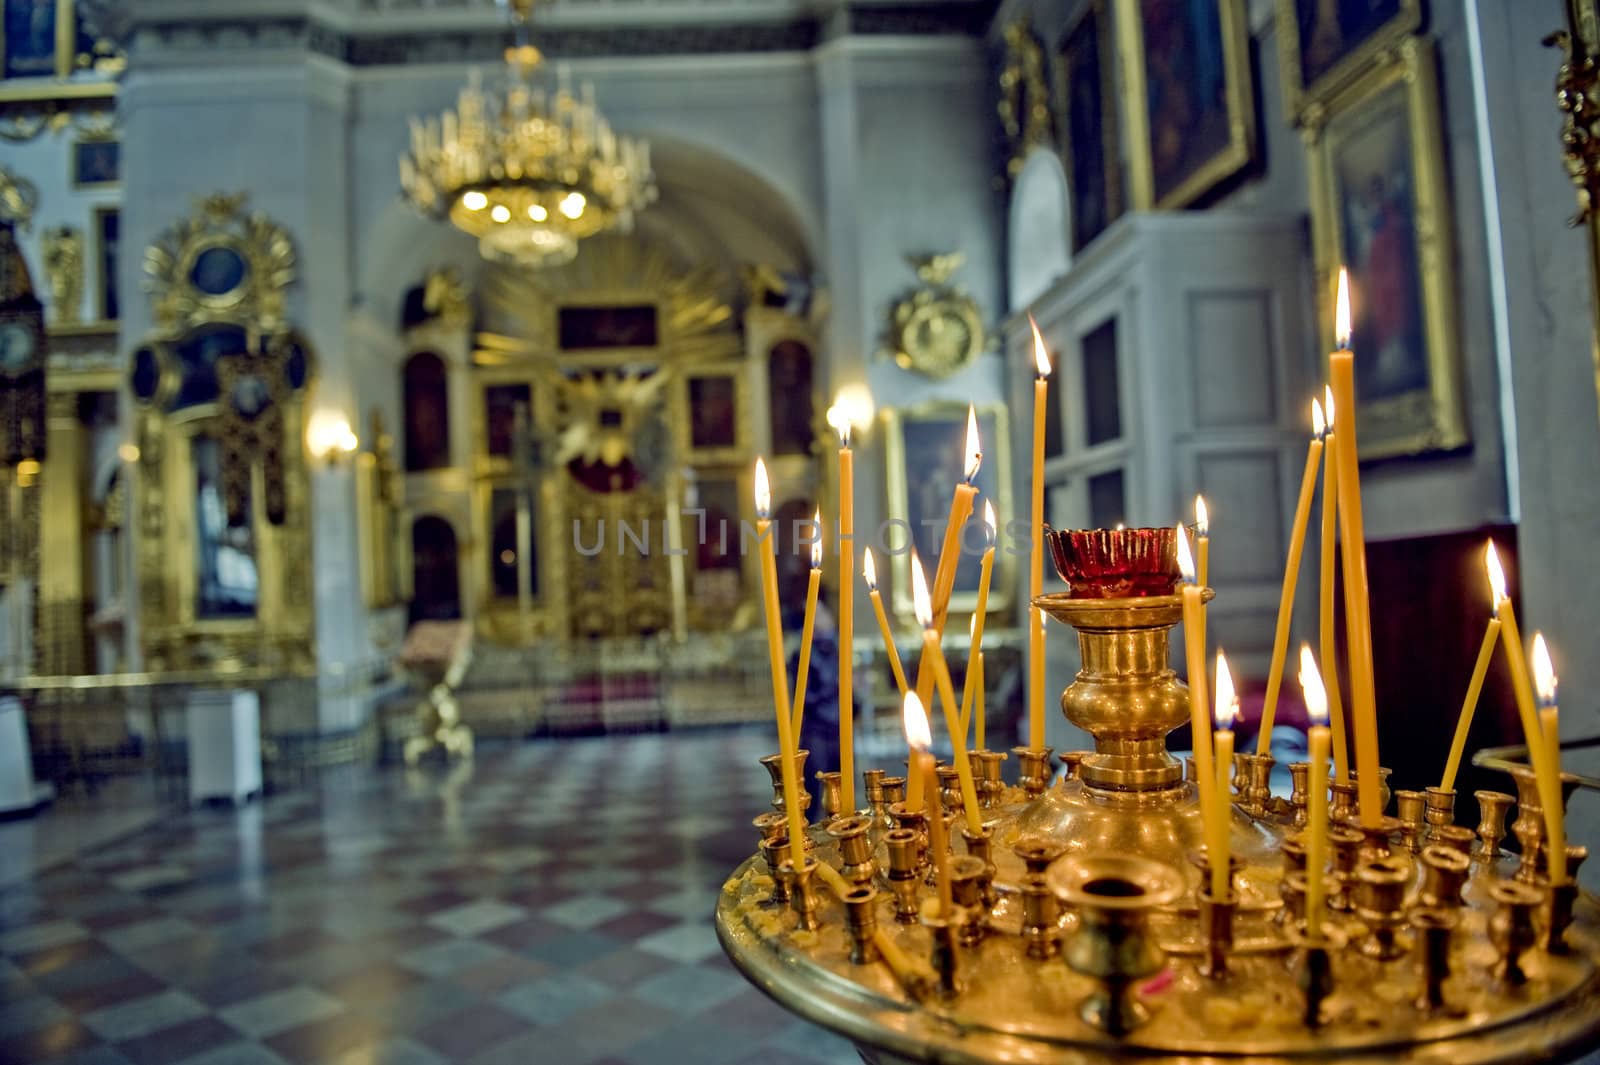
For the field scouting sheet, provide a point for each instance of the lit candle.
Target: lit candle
(1202, 532)
(1469, 705)
(1217, 842)
(950, 551)
(1291, 577)
(974, 679)
(1329, 633)
(1317, 738)
(1041, 414)
(787, 748)
(1521, 682)
(933, 661)
(869, 573)
(1357, 605)
(1555, 818)
(919, 738)
(807, 628)
(1195, 654)
(980, 715)
(839, 418)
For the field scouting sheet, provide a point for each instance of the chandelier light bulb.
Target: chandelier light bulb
(501, 213)
(537, 212)
(474, 200)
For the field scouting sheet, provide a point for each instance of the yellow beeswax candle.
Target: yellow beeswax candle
(787, 746)
(1325, 601)
(1041, 415)
(933, 660)
(1469, 705)
(1521, 680)
(919, 738)
(1218, 845)
(979, 617)
(847, 607)
(807, 629)
(1195, 655)
(1317, 738)
(1555, 817)
(950, 549)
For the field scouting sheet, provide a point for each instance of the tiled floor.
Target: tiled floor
(549, 904)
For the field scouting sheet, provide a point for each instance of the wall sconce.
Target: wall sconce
(329, 438)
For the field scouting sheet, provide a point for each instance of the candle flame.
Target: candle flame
(1544, 671)
(816, 547)
(763, 491)
(1227, 707)
(1327, 405)
(1318, 426)
(991, 521)
(1341, 312)
(869, 570)
(915, 720)
(839, 421)
(1041, 358)
(1316, 695)
(1185, 557)
(1497, 576)
(1202, 519)
(921, 601)
(974, 445)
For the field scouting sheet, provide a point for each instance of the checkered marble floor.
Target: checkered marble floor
(550, 903)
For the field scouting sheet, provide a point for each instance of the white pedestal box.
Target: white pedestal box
(18, 792)
(224, 745)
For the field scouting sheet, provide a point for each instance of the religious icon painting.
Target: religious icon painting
(1327, 43)
(1091, 149)
(715, 405)
(29, 44)
(96, 164)
(1191, 98)
(107, 244)
(925, 448)
(1380, 207)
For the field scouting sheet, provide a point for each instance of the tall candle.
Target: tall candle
(1357, 605)
(847, 607)
(1328, 632)
(1218, 844)
(979, 617)
(869, 573)
(919, 738)
(1041, 414)
(1521, 682)
(950, 550)
(807, 629)
(1291, 577)
(1202, 532)
(1317, 738)
(1469, 705)
(1195, 654)
(787, 747)
(1555, 818)
(980, 716)
(933, 659)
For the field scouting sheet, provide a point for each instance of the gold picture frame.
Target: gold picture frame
(1080, 73)
(1383, 133)
(1340, 67)
(923, 449)
(1182, 128)
(702, 437)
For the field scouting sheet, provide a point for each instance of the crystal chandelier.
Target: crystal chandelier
(528, 172)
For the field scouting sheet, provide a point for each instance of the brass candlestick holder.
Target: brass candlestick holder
(1082, 932)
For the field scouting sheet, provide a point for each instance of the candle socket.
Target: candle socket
(1492, 809)
(802, 892)
(1239, 780)
(894, 790)
(773, 764)
(1375, 839)
(1434, 927)
(1380, 903)
(1562, 898)
(832, 794)
(981, 847)
(1313, 969)
(1441, 808)
(1294, 853)
(1444, 871)
(855, 848)
(770, 825)
(1299, 795)
(776, 853)
(1529, 828)
(929, 870)
(916, 822)
(905, 855)
(1191, 771)
(1071, 763)
(991, 785)
(1216, 928)
(1257, 794)
(966, 888)
(1041, 916)
(1113, 898)
(1345, 843)
(1412, 807)
(1456, 837)
(1038, 854)
(1511, 928)
(872, 787)
(1343, 810)
(1034, 767)
(944, 931)
(950, 788)
(861, 918)
(1293, 890)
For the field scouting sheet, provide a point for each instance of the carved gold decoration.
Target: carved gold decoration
(593, 580)
(178, 261)
(1578, 99)
(937, 329)
(23, 346)
(18, 198)
(378, 513)
(604, 412)
(444, 296)
(1024, 105)
(63, 265)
